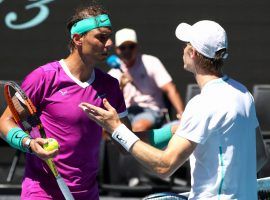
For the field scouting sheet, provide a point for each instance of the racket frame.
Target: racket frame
(33, 112)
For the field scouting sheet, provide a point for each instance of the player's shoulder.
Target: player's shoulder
(149, 58)
(42, 71)
(51, 67)
(196, 101)
(237, 85)
(47, 68)
(241, 91)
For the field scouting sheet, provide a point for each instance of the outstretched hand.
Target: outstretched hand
(108, 119)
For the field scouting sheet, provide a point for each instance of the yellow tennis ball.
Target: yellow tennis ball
(51, 144)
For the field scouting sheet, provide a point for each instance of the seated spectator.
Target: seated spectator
(144, 80)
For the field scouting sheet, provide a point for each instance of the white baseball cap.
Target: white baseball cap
(206, 36)
(125, 35)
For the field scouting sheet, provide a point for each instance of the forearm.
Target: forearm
(158, 138)
(11, 133)
(163, 163)
(6, 123)
(151, 158)
(148, 155)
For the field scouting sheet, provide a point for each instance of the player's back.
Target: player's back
(224, 165)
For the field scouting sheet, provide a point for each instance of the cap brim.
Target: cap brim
(126, 42)
(183, 32)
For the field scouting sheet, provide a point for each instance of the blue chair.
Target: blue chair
(261, 94)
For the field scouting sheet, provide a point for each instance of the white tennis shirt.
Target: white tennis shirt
(222, 120)
(149, 76)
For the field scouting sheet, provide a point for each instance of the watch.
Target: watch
(27, 145)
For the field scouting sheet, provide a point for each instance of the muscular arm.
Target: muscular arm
(164, 163)
(145, 135)
(6, 123)
(174, 97)
(127, 123)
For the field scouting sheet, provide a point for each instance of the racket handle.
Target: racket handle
(61, 183)
(64, 188)
(52, 167)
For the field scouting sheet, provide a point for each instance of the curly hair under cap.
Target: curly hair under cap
(212, 65)
(83, 13)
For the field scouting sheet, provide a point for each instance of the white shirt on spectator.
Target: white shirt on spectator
(149, 75)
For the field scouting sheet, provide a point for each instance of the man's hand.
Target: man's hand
(37, 148)
(108, 119)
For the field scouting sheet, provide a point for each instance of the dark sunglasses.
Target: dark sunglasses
(127, 47)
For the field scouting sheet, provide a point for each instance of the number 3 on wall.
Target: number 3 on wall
(39, 18)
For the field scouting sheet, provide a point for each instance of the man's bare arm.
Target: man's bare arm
(164, 163)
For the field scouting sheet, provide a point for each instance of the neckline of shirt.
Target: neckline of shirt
(77, 81)
(222, 79)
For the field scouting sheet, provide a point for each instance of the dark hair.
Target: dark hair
(83, 13)
(212, 65)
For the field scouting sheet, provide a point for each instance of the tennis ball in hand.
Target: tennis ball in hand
(51, 144)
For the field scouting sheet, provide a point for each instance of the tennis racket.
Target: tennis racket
(165, 196)
(25, 115)
(263, 188)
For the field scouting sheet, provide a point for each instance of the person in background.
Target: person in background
(143, 80)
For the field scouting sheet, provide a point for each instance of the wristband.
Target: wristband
(14, 138)
(27, 145)
(124, 137)
(159, 138)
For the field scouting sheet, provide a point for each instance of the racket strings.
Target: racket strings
(25, 115)
(264, 188)
(23, 112)
(264, 195)
(33, 120)
(25, 109)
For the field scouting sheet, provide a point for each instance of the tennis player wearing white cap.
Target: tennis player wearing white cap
(219, 128)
